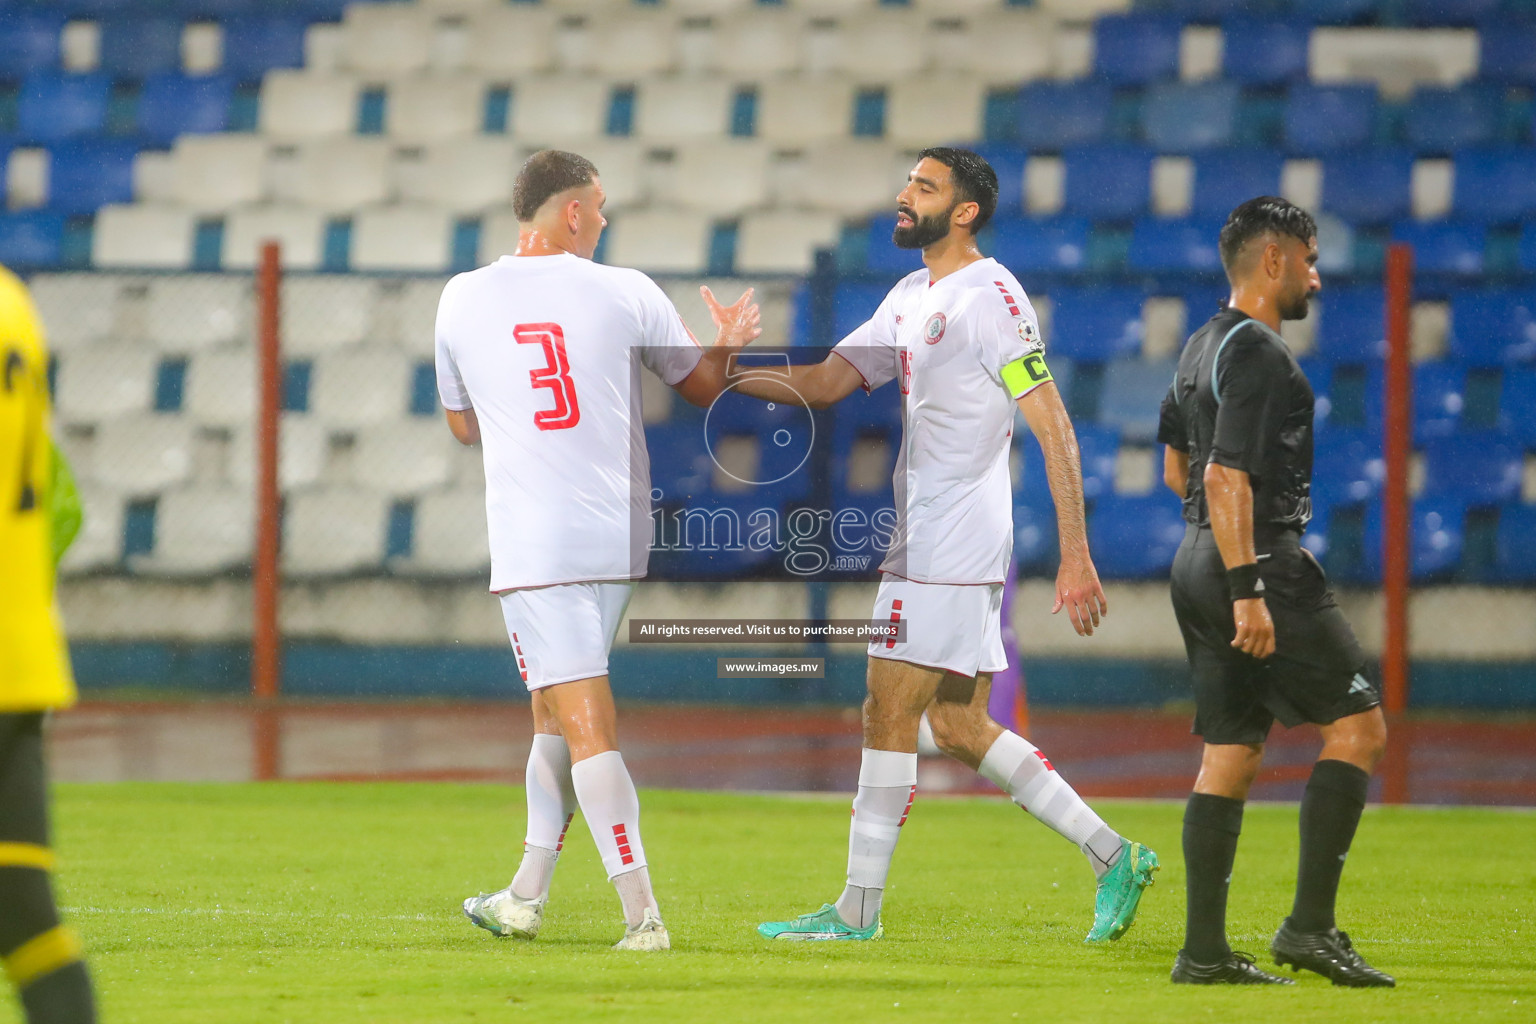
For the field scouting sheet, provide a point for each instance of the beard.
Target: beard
(923, 232)
(1296, 308)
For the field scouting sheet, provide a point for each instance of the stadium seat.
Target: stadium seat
(393, 39)
(1135, 537)
(1526, 251)
(31, 239)
(1437, 531)
(1096, 324)
(412, 318)
(77, 309)
(1315, 538)
(1135, 49)
(1009, 45)
(1262, 52)
(325, 313)
(412, 237)
(1351, 325)
(1368, 186)
(1347, 467)
(1515, 544)
(1326, 119)
(174, 104)
(1189, 117)
(220, 387)
(1478, 469)
(757, 44)
(623, 45)
(720, 177)
(214, 173)
(1107, 182)
(1517, 405)
(53, 106)
(677, 108)
(1442, 120)
(136, 47)
(83, 174)
(302, 457)
(947, 107)
(1444, 247)
(1508, 53)
(1025, 245)
(1495, 186)
(142, 237)
(298, 230)
(333, 530)
(876, 46)
(511, 40)
(99, 545)
(102, 381)
(1099, 449)
(1225, 178)
(559, 109)
(1053, 116)
(1439, 398)
(450, 536)
(140, 456)
(783, 241)
(335, 175)
(467, 175)
(254, 45)
(304, 105)
(797, 111)
(186, 312)
(1428, 13)
(199, 531)
(659, 240)
(361, 386)
(403, 456)
(680, 464)
(29, 41)
(1175, 246)
(848, 177)
(1493, 327)
(1132, 396)
(427, 109)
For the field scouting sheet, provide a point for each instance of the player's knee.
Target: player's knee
(955, 730)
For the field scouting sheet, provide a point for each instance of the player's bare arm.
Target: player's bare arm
(736, 325)
(820, 385)
(1176, 470)
(1229, 495)
(1077, 582)
(464, 425)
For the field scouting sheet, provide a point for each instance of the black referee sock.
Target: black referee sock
(1330, 811)
(1211, 827)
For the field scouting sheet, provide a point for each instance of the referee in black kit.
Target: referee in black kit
(1264, 637)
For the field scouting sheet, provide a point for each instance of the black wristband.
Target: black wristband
(1243, 582)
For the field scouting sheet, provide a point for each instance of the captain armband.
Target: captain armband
(1023, 375)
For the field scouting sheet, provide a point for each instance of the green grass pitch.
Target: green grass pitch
(312, 902)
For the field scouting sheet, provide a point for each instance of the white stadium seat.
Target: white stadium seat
(325, 312)
(678, 108)
(76, 309)
(411, 455)
(934, 109)
(334, 175)
(298, 230)
(301, 105)
(659, 240)
(465, 175)
(99, 544)
(220, 388)
(797, 111)
(509, 40)
(875, 46)
(1396, 59)
(142, 455)
(1006, 47)
(410, 237)
(361, 386)
(1082, 11)
(196, 311)
(450, 536)
(213, 173)
(498, 235)
(722, 177)
(850, 178)
(143, 237)
(634, 44)
(103, 381)
(334, 530)
(201, 530)
(559, 110)
(758, 44)
(431, 108)
(303, 452)
(411, 322)
(621, 167)
(783, 241)
(387, 39)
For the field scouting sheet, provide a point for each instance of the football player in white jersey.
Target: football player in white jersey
(538, 360)
(962, 340)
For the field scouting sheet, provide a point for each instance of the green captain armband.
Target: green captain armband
(1022, 376)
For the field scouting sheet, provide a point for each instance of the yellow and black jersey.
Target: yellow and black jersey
(34, 662)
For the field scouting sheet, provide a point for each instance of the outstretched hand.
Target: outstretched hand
(1079, 591)
(738, 324)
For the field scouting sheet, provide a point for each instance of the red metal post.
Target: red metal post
(1397, 553)
(266, 640)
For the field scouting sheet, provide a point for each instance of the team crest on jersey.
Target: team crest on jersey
(933, 330)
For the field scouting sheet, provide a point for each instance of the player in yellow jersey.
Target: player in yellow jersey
(41, 956)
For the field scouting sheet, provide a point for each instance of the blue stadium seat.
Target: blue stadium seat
(1225, 178)
(1437, 528)
(1034, 536)
(1337, 12)
(1132, 396)
(85, 174)
(1439, 399)
(1134, 49)
(1347, 467)
(1527, 249)
(1096, 325)
(1107, 182)
(1449, 12)
(1135, 537)
(29, 42)
(1441, 120)
(880, 253)
(1057, 115)
(1187, 118)
(1008, 161)
(1315, 539)
(1495, 185)
(1175, 246)
(1493, 327)
(854, 303)
(1320, 375)
(1515, 544)
(1034, 246)
(32, 238)
(1371, 186)
(1099, 448)
(1325, 119)
(53, 106)
(175, 104)
(255, 45)
(1508, 53)
(1479, 469)
(1264, 52)
(732, 556)
(1517, 405)
(214, 10)
(680, 464)
(135, 47)
(1351, 325)
(1444, 246)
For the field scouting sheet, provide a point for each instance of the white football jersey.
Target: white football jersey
(946, 343)
(547, 350)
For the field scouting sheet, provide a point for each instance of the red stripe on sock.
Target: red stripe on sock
(1047, 761)
(622, 838)
(560, 843)
(910, 797)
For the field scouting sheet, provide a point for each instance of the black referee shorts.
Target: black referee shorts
(1317, 673)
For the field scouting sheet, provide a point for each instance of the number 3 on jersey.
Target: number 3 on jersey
(555, 374)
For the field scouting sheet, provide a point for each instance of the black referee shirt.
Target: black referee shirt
(1240, 400)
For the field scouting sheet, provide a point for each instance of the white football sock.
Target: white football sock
(1018, 768)
(887, 786)
(612, 808)
(551, 805)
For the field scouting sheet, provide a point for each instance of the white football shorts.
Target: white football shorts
(955, 628)
(564, 632)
